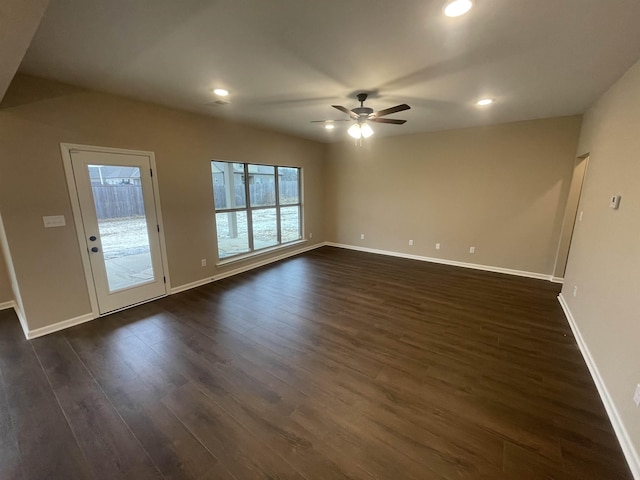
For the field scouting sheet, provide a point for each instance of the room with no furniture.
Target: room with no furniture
(362, 239)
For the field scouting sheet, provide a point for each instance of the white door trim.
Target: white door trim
(65, 149)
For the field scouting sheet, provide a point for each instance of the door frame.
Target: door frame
(65, 149)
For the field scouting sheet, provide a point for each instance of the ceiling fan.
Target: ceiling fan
(362, 115)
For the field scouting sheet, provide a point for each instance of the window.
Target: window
(257, 206)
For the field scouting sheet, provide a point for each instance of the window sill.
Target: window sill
(259, 253)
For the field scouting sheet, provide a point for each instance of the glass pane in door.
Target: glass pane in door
(122, 224)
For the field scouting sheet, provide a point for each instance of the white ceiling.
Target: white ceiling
(287, 61)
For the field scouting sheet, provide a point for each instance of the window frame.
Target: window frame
(249, 209)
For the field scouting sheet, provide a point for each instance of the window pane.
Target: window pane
(289, 179)
(262, 185)
(228, 185)
(232, 233)
(265, 233)
(290, 224)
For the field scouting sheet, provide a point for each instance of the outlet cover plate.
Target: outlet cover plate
(54, 221)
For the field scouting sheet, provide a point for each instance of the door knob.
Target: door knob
(93, 238)
(94, 249)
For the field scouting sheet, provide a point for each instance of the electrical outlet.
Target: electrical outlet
(575, 290)
(636, 396)
(310, 235)
(203, 262)
(580, 216)
(410, 242)
(615, 202)
(362, 236)
(437, 246)
(472, 249)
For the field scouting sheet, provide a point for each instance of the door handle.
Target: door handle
(94, 249)
(93, 238)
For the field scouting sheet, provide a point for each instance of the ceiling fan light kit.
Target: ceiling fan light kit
(360, 130)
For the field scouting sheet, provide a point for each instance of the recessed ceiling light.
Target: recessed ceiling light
(484, 102)
(329, 126)
(221, 92)
(456, 8)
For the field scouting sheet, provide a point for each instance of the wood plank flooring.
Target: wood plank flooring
(331, 365)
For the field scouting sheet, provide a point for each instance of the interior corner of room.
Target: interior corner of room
(532, 198)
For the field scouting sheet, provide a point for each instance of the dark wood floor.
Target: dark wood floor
(330, 365)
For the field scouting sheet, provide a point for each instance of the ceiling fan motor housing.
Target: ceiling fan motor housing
(362, 110)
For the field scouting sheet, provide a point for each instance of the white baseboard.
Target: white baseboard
(245, 268)
(87, 317)
(454, 263)
(630, 452)
(29, 334)
(39, 332)
(557, 280)
(189, 286)
(19, 314)
(267, 261)
(7, 305)
(22, 318)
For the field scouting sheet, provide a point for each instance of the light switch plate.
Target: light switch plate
(636, 396)
(54, 221)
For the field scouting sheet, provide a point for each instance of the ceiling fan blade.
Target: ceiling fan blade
(387, 120)
(389, 111)
(346, 110)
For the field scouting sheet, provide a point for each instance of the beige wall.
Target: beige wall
(501, 189)
(37, 115)
(6, 295)
(604, 262)
(10, 274)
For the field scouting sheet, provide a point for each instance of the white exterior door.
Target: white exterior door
(120, 226)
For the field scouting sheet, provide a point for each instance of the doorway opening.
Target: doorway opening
(570, 216)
